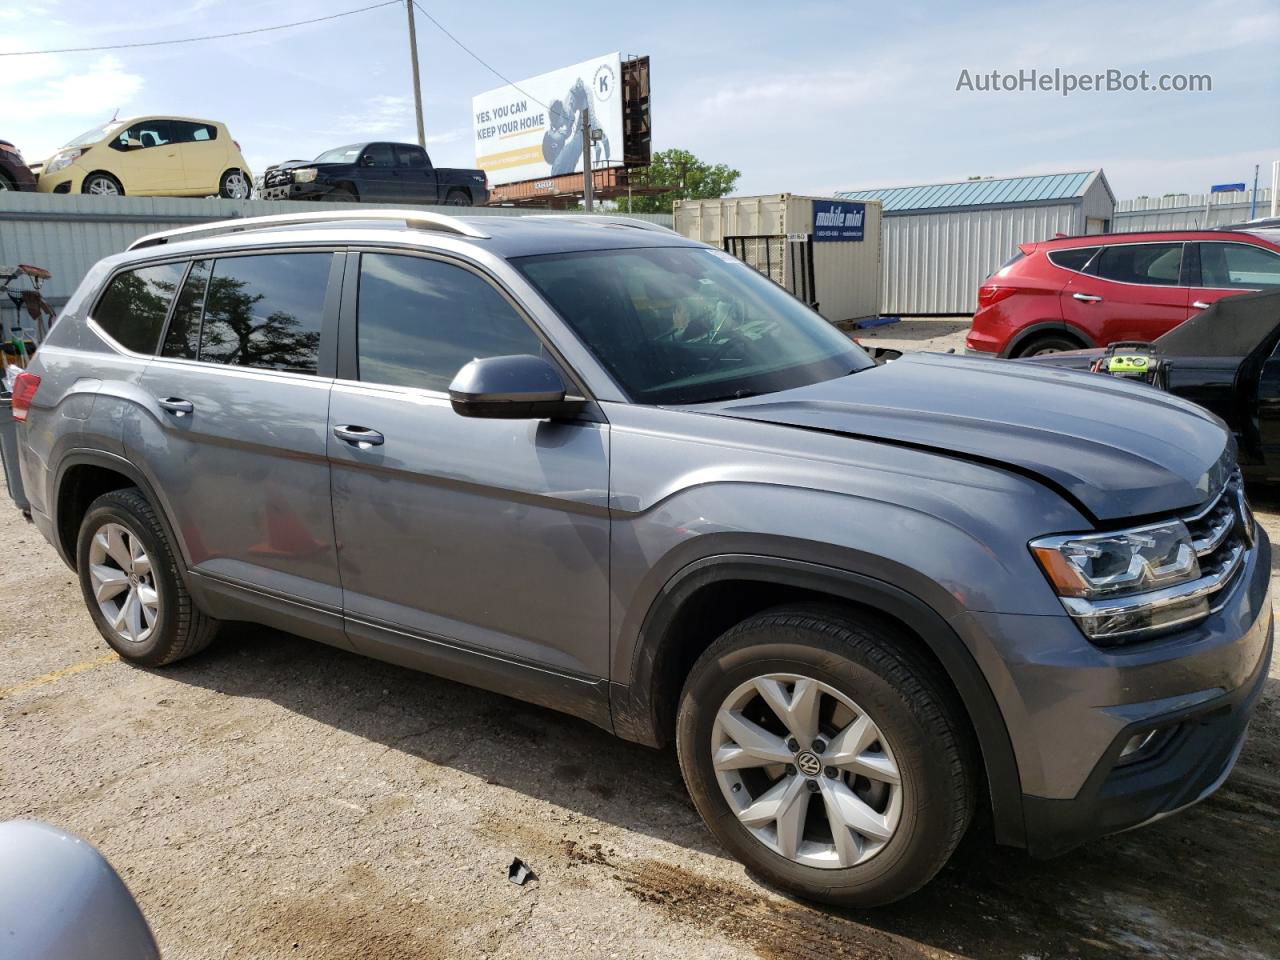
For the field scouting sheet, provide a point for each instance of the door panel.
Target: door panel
(1136, 295)
(491, 533)
(416, 180)
(204, 157)
(488, 534)
(378, 182)
(153, 167)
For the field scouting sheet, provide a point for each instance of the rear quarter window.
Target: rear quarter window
(133, 307)
(1076, 258)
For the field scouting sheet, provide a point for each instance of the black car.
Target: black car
(14, 172)
(1226, 359)
(375, 173)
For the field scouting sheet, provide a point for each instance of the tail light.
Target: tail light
(24, 391)
(990, 294)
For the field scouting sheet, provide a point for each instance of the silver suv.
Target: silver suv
(596, 466)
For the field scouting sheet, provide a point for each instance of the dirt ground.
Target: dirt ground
(277, 798)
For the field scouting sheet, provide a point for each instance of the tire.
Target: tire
(102, 185)
(339, 195)
(1047, 343)
(177, 629)
(235, 185)
(457, 198)
(6, 183)
(922, 735)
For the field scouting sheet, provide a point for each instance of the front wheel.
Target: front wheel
(131, 584)
(826, 756)
(102, 185)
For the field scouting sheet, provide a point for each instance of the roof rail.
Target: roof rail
(600, 220)
(416, 219)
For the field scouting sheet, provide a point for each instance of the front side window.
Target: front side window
(421, 321)
(149, 133)
(690, 325)
(415, 158)
(378, 155)
(265, 311)
(1152, 264)
(133, 308)
(1238, 266)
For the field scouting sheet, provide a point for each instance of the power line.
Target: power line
(212, 36)
(475, 56)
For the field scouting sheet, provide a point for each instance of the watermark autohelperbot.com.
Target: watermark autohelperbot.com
(1065, 82)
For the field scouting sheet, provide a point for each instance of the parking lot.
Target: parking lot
(277, 798)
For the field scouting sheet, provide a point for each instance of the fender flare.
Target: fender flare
(636, 706)
(1047, 326)
(124, 467)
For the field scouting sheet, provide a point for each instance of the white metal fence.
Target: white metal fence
(67, 234)
(1188, 212)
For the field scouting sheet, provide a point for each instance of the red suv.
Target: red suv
(1076, 292)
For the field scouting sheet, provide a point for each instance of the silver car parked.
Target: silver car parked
(594, 465)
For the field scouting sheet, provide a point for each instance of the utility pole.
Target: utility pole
(417, 84)
(588, 178)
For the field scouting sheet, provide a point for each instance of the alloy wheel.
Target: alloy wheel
(102, 187)
(806, 771)
(237, 186)
(123, 582)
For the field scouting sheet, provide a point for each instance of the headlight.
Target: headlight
(62, 160)
(1117, 585)
(304, 174)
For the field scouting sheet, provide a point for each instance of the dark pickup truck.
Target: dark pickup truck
(375, 173)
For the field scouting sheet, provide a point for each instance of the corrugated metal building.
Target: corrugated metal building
(942, 240)
(67, 234)
(1183, 211)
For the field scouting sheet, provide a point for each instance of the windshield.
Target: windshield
(89, 138)
(689, 324)
(340, 154)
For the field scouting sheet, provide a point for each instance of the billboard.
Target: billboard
(533, 129)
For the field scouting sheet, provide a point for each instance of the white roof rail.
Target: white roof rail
(416, 219)
(604, 220)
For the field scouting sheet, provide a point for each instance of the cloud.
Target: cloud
(96, 90)
(380, 116)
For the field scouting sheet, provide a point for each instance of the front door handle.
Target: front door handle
(361, 437)
(1200, 305)
(176, 405)
(1086, 297)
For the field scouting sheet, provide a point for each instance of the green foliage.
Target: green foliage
(689, 178)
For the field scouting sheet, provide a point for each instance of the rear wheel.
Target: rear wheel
(131, 583)
(102, 185)
(235, 185)
(825, 757)
(1048, 343)
(458, 198)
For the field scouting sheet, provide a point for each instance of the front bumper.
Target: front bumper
(1070, 707)
(314, 190)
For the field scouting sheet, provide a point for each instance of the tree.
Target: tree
(689, 178)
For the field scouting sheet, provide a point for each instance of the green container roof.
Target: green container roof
(1005, 191)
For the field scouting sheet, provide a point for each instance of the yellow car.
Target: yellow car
(150, 157)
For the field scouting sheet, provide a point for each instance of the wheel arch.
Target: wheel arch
(82, 477)
(709, 595)
(1048, 326)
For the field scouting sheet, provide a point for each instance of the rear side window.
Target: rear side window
(133, 308)
(1238, 266)
(184, 131)
(265, 311)
(421, 321)
(183, 338)
(1152, 264)
(1075, 259)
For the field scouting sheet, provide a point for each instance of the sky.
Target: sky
(806, 96)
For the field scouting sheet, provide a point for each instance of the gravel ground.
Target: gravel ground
(278, 798)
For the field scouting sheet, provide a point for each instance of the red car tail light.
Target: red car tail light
(990, 294)
(24, 391)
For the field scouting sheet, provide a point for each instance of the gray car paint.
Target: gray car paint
(867, 475)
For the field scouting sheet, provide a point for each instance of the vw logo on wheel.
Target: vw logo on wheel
(808, 764)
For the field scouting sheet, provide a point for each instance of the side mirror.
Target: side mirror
(521, 387)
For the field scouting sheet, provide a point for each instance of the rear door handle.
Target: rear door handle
(1200, 305)
(1086, 297)
(361, 437)
(176, 405)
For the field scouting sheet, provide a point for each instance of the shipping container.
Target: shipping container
(824, 251)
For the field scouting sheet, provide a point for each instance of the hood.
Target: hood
(295, 164)
(1116, 450)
